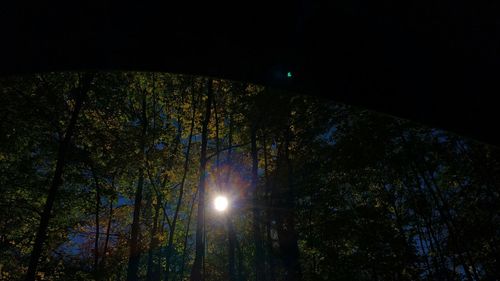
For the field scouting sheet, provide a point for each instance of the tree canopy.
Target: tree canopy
(112, 176)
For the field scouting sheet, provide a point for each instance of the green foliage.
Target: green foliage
(363, 196)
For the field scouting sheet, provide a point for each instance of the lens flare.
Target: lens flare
(220, 203)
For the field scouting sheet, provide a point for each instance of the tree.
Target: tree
(80, 94)
(103, 175)
(196, 272)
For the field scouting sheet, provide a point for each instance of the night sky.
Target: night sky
(434, 62)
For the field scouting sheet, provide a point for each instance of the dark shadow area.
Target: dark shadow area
(434, 62)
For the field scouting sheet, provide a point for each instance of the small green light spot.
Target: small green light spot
(289, 74)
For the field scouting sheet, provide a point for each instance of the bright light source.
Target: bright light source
(289, 74)
(220, 203)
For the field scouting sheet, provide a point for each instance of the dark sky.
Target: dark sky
(431, 61)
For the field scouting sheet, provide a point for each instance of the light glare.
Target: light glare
(220, 203)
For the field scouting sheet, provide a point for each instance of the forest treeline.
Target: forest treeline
(111, 176)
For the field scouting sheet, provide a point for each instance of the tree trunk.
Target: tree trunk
(269, 204)
(184, 249)
(57, 181)
(97, 207)
(259, 252)
(181, 191)
(287, 235)
(241, 265)
(231, 235)
(196, 272)
(108, 231)
(135, 255)
(231, 250)
(159, 266)
(164, 252)
(153, 244)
